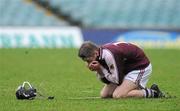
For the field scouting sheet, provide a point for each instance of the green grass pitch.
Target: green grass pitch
(60, 73)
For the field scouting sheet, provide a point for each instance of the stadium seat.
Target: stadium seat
(26, 14)
(96, 13)
(122, 13)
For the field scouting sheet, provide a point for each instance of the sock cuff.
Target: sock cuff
(146, 94)
(150, 93)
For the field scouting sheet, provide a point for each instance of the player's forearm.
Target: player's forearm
(100, 72)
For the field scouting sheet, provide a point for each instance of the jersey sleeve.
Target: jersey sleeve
(111, 73)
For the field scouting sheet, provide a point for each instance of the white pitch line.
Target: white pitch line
(84, 98)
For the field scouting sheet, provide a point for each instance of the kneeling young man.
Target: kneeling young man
(123, 67)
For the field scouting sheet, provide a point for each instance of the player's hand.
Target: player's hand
(94, 66)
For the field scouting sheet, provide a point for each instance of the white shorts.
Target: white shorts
(140, 77)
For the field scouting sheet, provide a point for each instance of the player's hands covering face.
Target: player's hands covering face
(94, 66)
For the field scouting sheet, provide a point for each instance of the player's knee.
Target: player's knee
(119, 95)
(105, 95)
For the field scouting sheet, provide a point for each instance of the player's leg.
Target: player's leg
(136, 93)
(153, 91)
(123, 90)
(108, 90)
(132, 83)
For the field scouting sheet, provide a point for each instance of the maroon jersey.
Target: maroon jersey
(128, 57)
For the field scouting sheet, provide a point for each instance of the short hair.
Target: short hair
(87, 50)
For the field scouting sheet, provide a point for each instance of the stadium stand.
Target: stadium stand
(95, 13)
(25, 13)
(122, 13)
